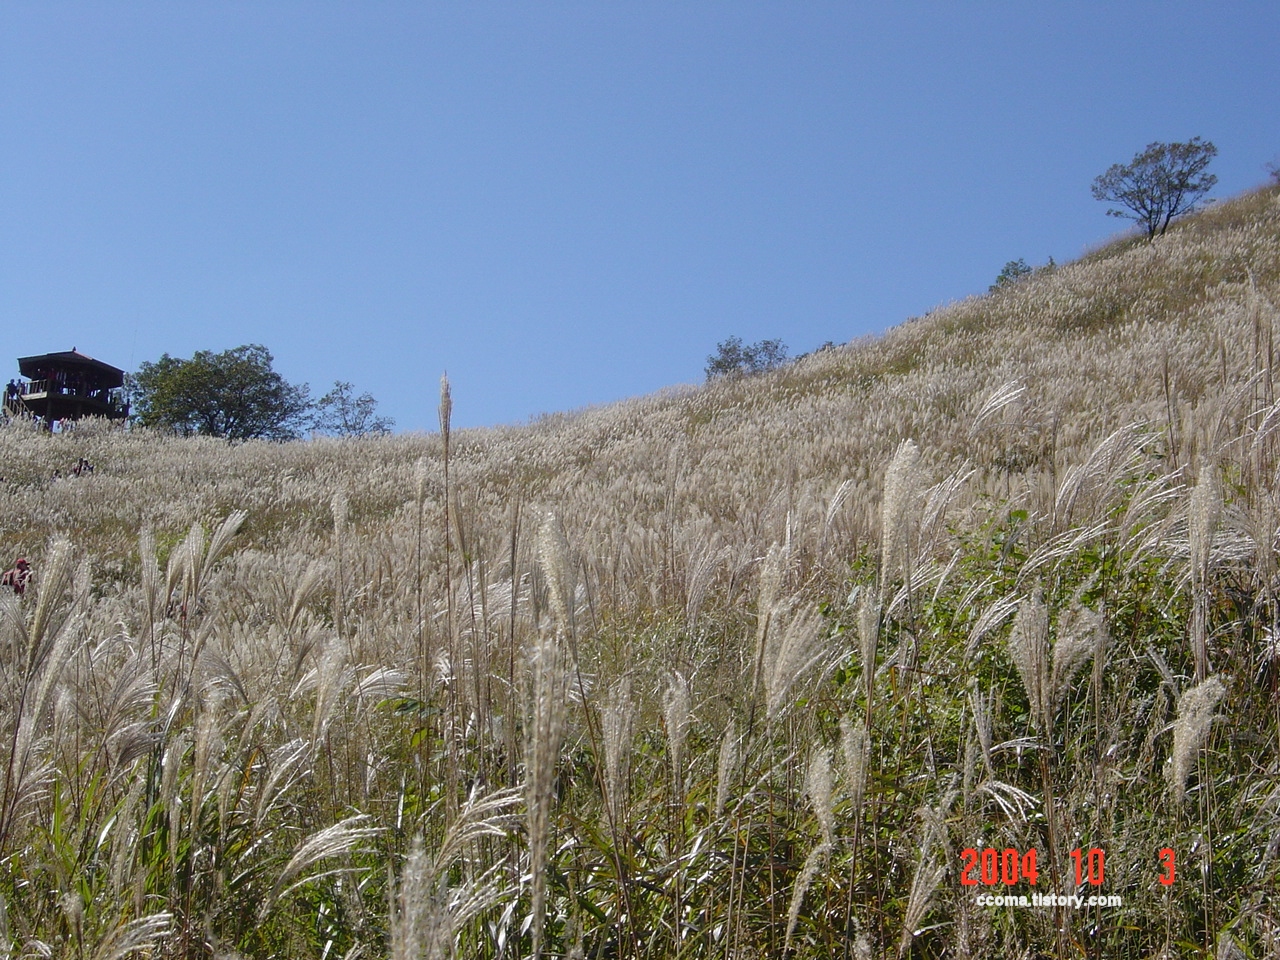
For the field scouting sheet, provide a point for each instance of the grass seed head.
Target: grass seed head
(789, 656)
(902, 483)
(553, 552)
(1195, 716)
(1029, 650)
(1081, 633)
(676, 712)
(819, 789)
(726, 766)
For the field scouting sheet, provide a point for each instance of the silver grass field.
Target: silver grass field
(735, 671)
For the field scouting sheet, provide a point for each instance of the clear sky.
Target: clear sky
(567, 203)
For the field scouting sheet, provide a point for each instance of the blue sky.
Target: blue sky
(564, 204)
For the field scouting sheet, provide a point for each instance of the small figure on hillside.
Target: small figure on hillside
(18, 577)
(82, 468)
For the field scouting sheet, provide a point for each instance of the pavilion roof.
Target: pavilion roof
(107, 375)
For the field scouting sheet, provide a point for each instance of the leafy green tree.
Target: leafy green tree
(1162, 182)
(733, 358)
(729, 359)
(1013, 271)
(234, 394)
(342, 413)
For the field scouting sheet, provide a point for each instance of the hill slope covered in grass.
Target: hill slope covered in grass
(733, 671)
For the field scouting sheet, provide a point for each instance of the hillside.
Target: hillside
(727, 671)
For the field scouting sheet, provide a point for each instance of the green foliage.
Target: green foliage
(733, 358)
(1164, 181)
(235, 394)
(1013, 271)
(341, 413)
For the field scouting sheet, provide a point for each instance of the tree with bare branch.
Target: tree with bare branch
(1164, 181)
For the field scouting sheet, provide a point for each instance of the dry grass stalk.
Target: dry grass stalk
(337, 841)
(676, 711)
(1203, 514)
(617, 728)
(149, 575)
(855, 743)
(1195, 716)
(902, 484)
(999, 398)
(981, 708)
(818, 788)
(788, 656)
(813, 863)
(726, 766)
(446, 408)
(1029, 650)
(543, 735)
(553, 553)
(1000, 610)
(136, 936)
(340, 506)
(772, 574)
(427, 908)
(1081, 634)
(929, 873)
(37, 656)
(868, 640)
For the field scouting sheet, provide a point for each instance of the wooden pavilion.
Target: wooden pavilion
(66, 386)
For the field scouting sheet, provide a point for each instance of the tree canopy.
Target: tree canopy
(234, 394)
(342, 413)
(1164, 181)
(1014, 270)
(734, 358)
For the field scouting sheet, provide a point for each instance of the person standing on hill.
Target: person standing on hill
(18, 577)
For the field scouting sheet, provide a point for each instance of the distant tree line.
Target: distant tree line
(238, 395)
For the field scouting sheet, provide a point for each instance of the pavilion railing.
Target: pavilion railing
(111, 398)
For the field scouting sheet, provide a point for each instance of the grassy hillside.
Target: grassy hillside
(737, 671)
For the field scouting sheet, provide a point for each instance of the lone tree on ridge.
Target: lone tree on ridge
(733, 358)
(1013, 271)
(1160, 183)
